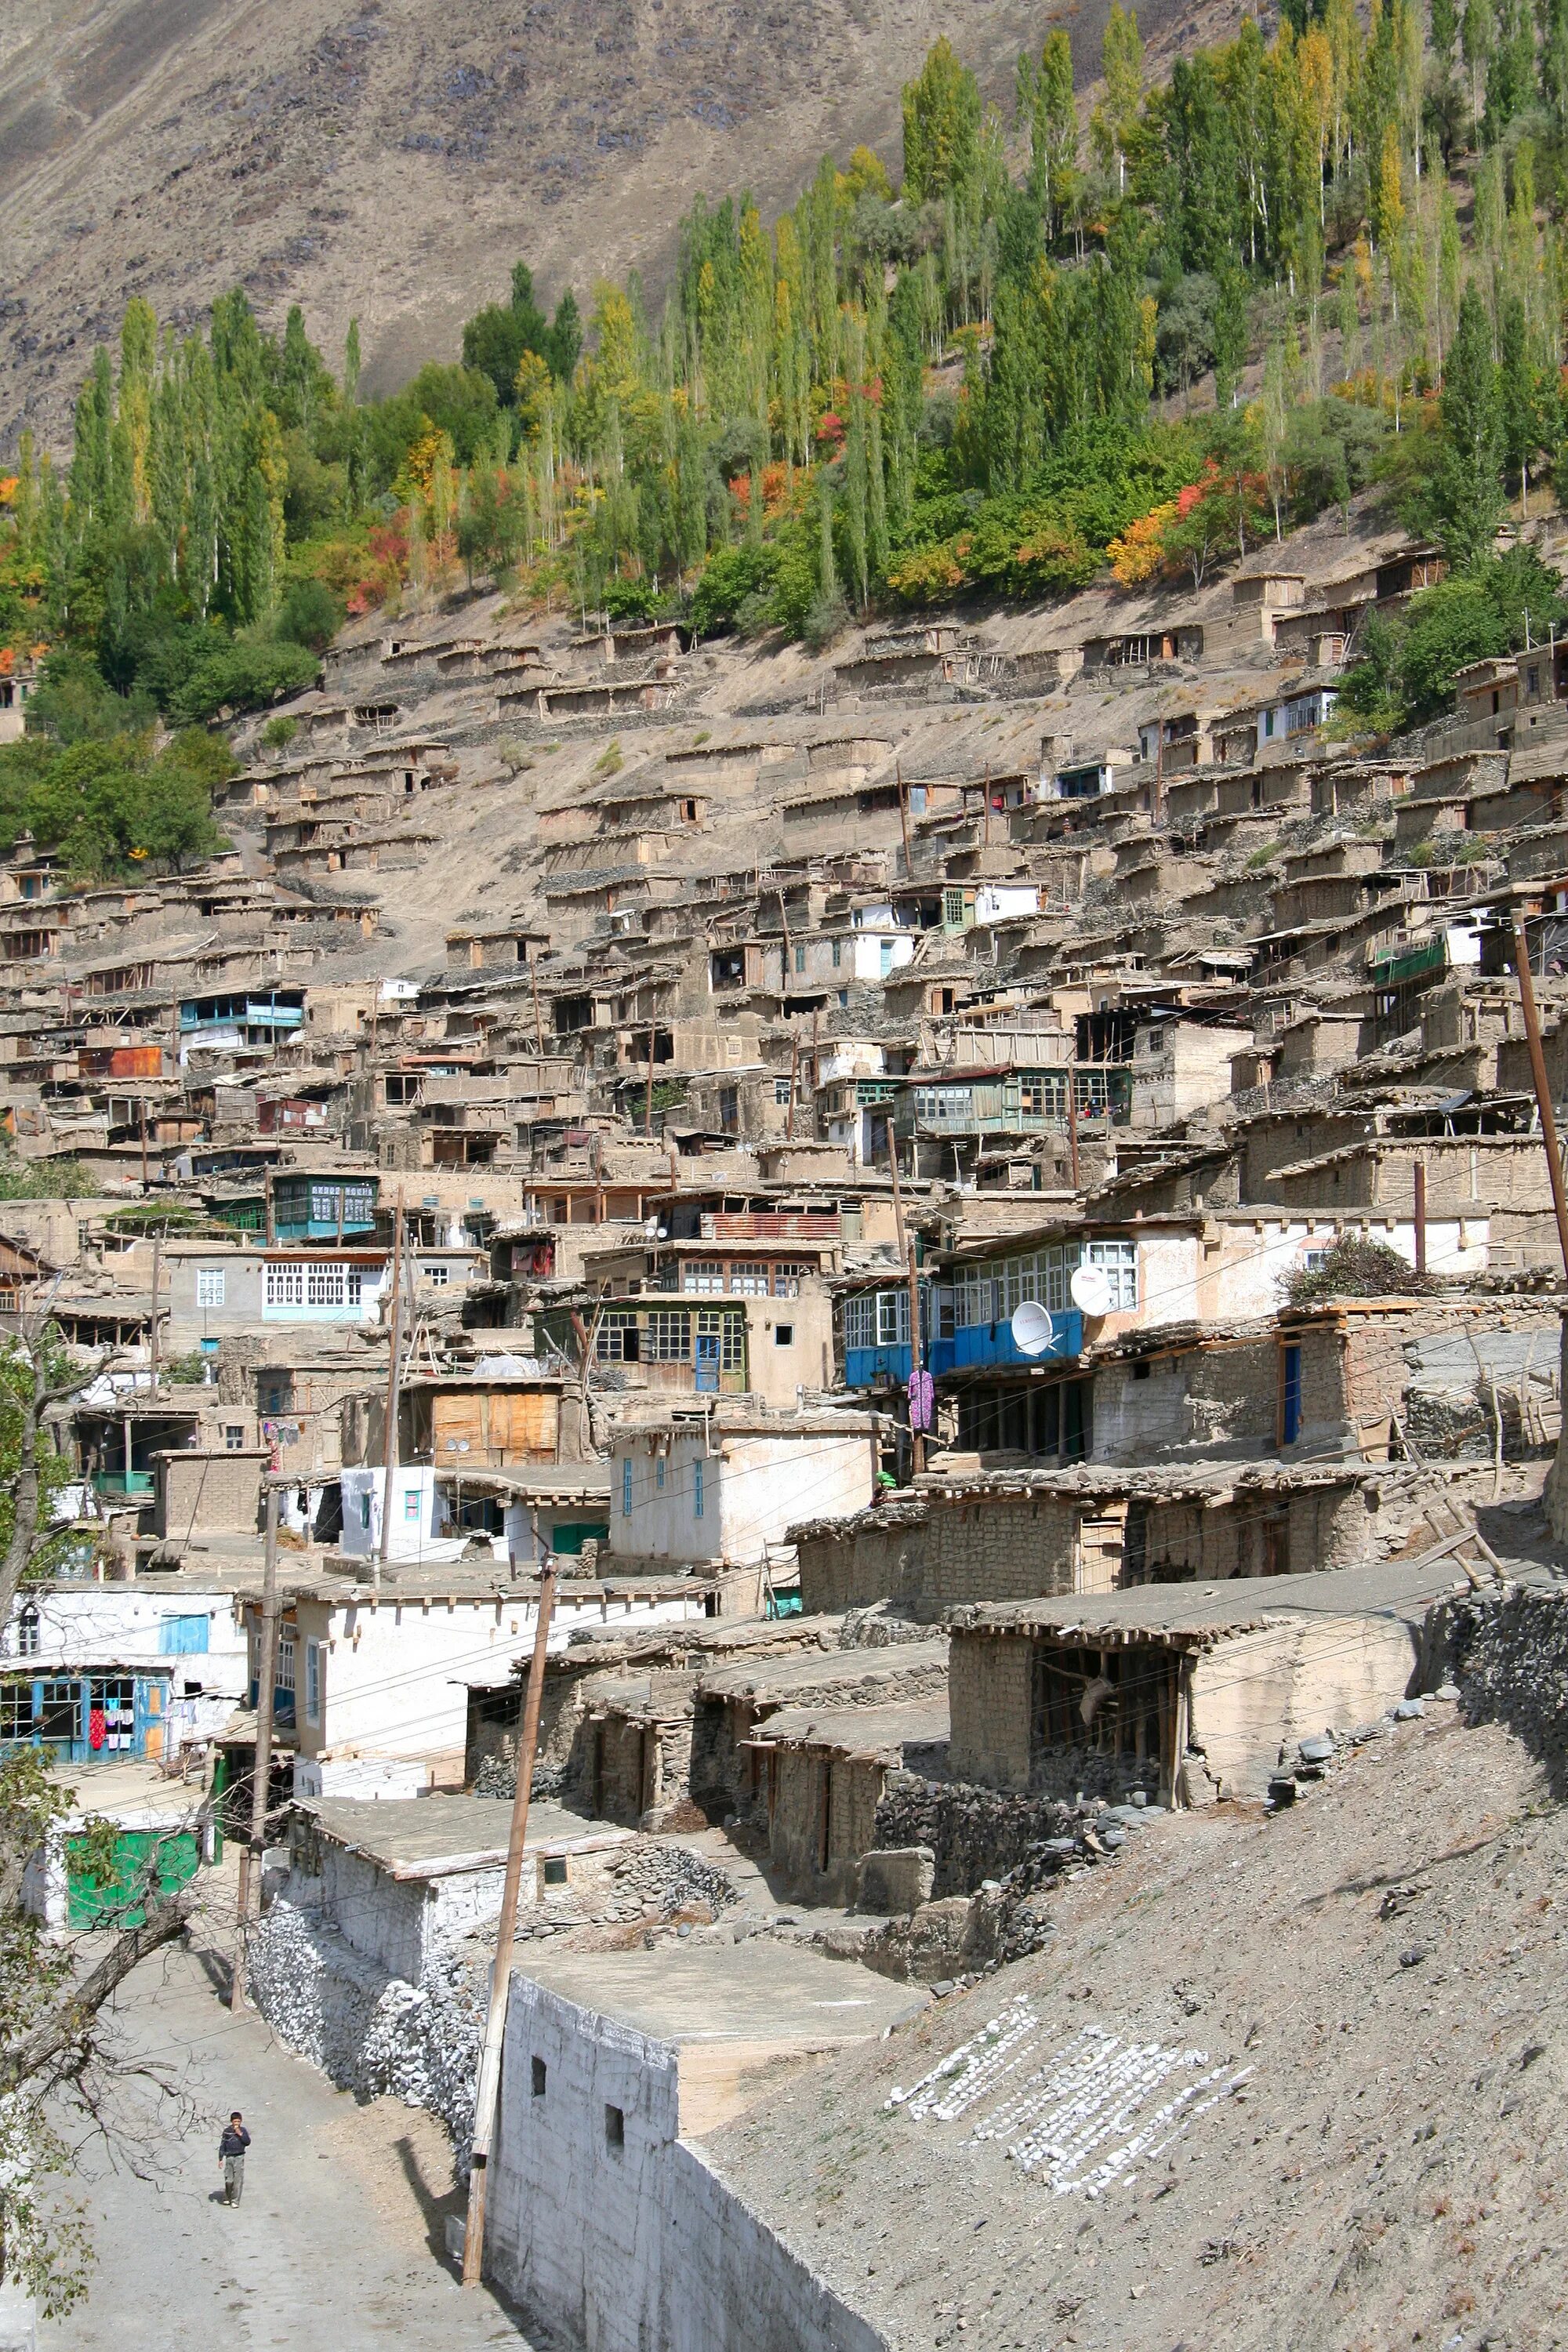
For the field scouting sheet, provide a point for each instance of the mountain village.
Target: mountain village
(971, 1220)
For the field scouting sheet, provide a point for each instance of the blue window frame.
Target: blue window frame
(659, 1474)
(183, 1636)
(697, 1490)
(627, 1487)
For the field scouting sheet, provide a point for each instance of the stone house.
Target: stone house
(731, 1774)
(826, 1770)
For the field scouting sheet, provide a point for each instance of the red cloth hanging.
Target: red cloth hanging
(95, 1728)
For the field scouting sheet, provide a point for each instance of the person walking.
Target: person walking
(231, 2155)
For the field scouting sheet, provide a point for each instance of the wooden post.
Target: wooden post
(904, 813)
(647, 1091)
(783, 925)
(917, 1437)
(157, 1285)
(143, 1145)
(986, 838)
(266, 1680)
(793, 1078)
(906, 1252)
(537, 1016)
(1538, 1077)
(1072, 1122)
(506, 1941)
(394, 1376)
(1420, 1216)
(271, 1210)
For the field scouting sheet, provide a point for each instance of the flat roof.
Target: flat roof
(877, 1733)
(430, 1837)
(783, 1678)
(1197, 1615)
(762, 1990)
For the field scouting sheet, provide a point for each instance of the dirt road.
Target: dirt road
(337, 2244)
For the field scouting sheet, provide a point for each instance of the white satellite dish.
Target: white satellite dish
(1032, 1329)
(1091, 1287)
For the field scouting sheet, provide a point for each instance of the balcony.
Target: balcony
(870, 1368)
(977, 1346)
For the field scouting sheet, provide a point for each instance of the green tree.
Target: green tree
(1464, 499)
(941, 126)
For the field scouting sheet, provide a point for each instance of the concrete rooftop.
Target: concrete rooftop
(763, 1989)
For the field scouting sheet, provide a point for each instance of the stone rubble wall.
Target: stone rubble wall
(1509, 1654)
(367, 2032)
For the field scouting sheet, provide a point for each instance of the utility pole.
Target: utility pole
(394, 1377)
(1420, 1175)
(157, 1285)
(793, 1077)
(537, 1016)
(648, 1090)
(265, 1682)
(1072, 1123)
(906, 1252)
(1538, 1077)
(506, 1941)
(904, 813)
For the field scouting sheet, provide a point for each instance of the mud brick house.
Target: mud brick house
(1182, 1695)
(977, 1536)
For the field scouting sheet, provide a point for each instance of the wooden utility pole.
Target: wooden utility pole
(906, 1253)
(506, 1942)
(1072, 1123)
(904, 813)
(1420, 1173)
(783, 925)
(250, 1853)
(648, 1090)
(794, 1079)
(143, 1147)
(917, 1436)
(271, 1209)
(1538, 1077)
(537, 1016)
(393, 1379)
(157, 1285)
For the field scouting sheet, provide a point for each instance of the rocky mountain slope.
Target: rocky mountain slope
(389, 159)
(1275, 2083)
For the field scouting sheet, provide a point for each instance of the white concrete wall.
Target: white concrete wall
(419, 1516)
(394, 1678)
(97, 1623)
(626, 2249)
(753, 1488)
(398, 1922)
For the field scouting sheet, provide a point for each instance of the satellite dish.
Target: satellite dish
(1032, 1329)
(1091, 1289)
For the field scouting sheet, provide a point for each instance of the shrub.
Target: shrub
(1356, 1268)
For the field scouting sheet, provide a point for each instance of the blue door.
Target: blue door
(1289, 1395)
(708, 1360)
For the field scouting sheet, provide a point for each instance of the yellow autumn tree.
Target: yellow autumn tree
(1140, 552)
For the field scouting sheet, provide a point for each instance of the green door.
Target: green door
(571, 1535)
(141, 1857)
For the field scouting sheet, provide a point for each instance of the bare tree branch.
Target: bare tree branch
(74, 2016)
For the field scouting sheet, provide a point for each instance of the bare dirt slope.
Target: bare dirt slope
(390, 158)
(1356, 2009)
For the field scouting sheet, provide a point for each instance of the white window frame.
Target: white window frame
(210, 1285)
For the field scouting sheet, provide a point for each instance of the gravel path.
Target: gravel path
(336, 2246)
